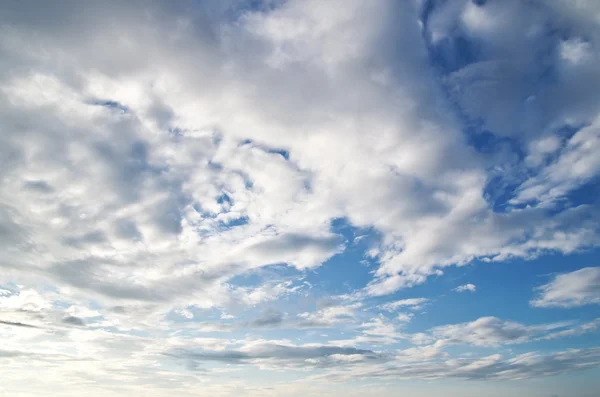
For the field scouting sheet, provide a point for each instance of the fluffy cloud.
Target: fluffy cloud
(179, 187)
(578, 288)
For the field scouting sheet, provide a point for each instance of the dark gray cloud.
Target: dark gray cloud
(38, 186)
(17, 324)
(299, 242)
(72, 320)
(274, 351)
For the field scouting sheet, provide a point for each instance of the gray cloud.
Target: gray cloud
(38, 186)
(72, 320)
(17, 324)
(493, 367)
(270, 318)
(292, 355)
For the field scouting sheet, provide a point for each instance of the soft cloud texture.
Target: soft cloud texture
(578, 288)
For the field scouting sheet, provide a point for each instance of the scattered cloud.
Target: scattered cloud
(328, 316)
(492, 331)
(466, 288)
(411, 303)
(577, 288)
(493, 367)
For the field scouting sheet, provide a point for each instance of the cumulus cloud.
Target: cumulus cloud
(577, 288)
(175, 185)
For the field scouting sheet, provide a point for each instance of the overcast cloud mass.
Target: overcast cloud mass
(300, 197)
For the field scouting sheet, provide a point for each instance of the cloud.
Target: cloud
(465, 288)
(577, 288)
(574, 166)
(283, 355)
(412, 303)
(492, 331)
(328, 316)
(483, 332)
(266, 292)
(494, 367)
(172, 184)
(72, 320)
(261, 193)
(268, 319)
(14, 324)
(405, 317)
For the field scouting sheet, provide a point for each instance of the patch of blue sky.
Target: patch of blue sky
(347, 271)
(113, 105)
(282, 152)
(241, 221)
(504, 290)
(498, 193)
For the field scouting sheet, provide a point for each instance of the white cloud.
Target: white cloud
(215, 187)
(575, 51)
(576, 164)
(466, 288)
(226, 316)
(185, 313)
(329, 315)
(405, 317)
(492, 331)
(412, 303)
(577, 288)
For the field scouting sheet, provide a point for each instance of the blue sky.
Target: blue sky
(284, 197)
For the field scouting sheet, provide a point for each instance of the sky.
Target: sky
(300, 197)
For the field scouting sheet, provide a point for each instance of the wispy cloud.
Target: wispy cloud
(577, 288)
